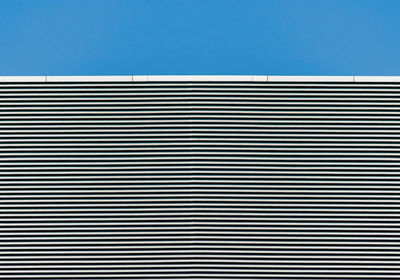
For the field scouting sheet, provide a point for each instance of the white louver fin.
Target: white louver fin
(214, 177)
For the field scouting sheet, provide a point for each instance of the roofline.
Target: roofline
(199, 78)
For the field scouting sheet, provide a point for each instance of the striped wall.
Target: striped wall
(199, 180)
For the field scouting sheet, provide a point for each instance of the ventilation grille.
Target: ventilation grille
(199, 181)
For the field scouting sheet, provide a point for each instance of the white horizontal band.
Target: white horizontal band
(199, 78)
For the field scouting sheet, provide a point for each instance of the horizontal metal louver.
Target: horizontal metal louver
(199, 180)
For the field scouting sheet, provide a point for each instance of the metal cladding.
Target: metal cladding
(145, 178)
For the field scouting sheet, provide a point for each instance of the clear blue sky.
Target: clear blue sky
(124, 37)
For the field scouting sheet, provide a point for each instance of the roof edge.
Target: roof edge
(199, 78)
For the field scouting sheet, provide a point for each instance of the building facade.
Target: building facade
(199, 177)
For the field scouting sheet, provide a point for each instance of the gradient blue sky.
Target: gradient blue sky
(124, 37)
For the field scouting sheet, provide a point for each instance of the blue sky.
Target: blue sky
(124, 37)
